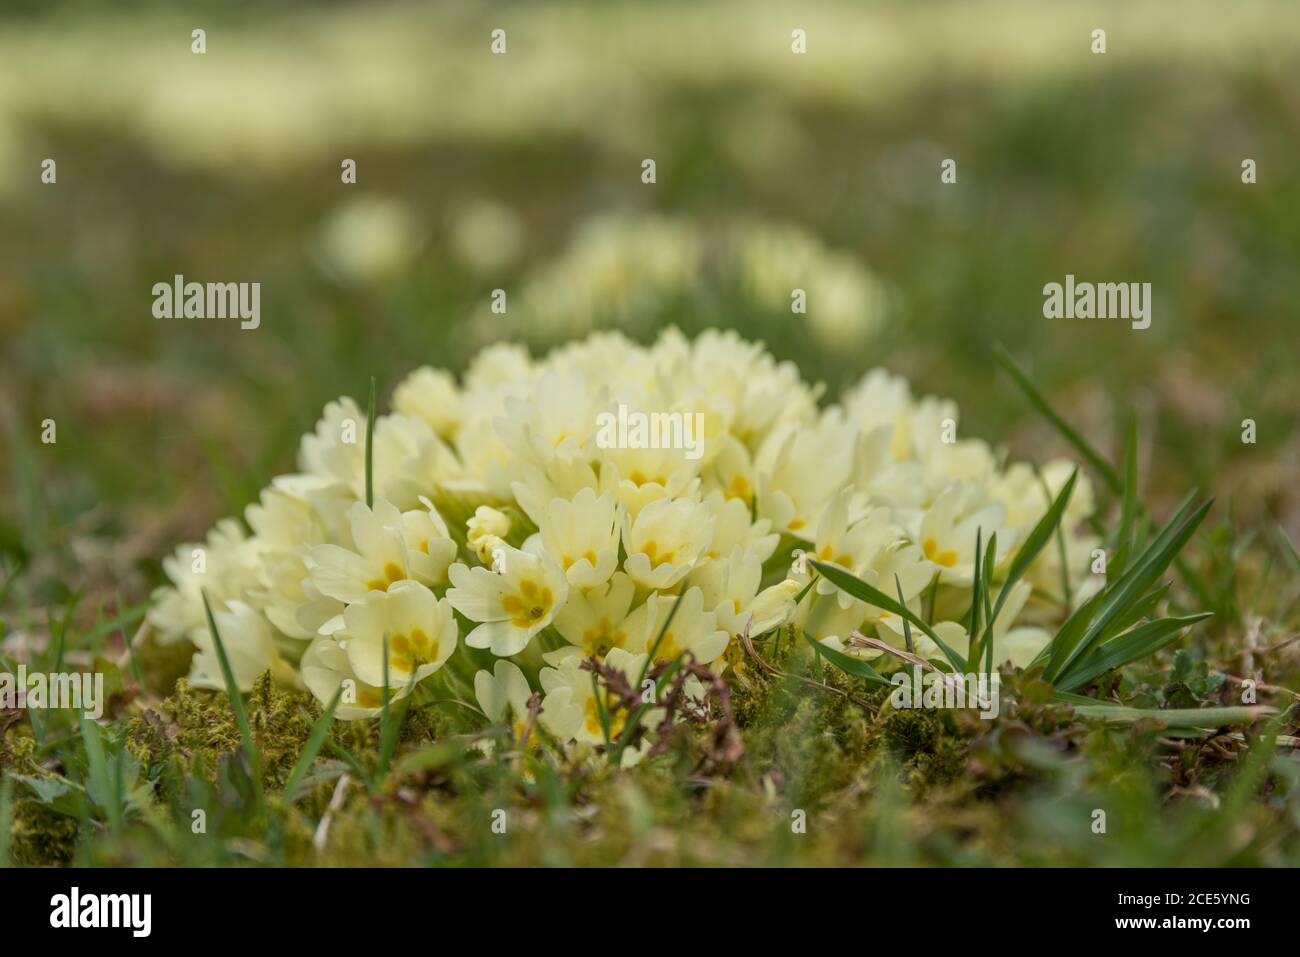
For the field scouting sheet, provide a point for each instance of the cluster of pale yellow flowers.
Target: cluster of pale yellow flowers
(510, 517)
(628, 270)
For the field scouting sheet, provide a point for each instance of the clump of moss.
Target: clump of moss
(944, 763)
(197, 727)
(909, 732)
(811, 742)
(41, 837)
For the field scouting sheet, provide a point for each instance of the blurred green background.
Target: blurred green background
(523, 172)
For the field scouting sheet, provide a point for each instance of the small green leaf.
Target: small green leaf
(1033, 544)
(847, 663)
(1119, 597)
(370, 447)
(860, 590)
(976, 606)
(1129, 510)
(47, 789)
(1142, 641)
(312, 748)
(1290, 548)
(100, 785)
(1207, 718)
(236, 703)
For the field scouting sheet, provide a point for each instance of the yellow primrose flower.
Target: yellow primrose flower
(595, 619)
(692, 629)
(639, 476)
(380, 557)
(583, 534)
(419, 629)
(665, 541)
(250, 648)
(432, 395)
(514, 601)
(614, 529)
(947, 532)
(791, 492)
(325, 670)
(572, 711)
(486, 529)
(503, 695)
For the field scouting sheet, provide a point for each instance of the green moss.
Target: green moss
(197, 728)
(41, 837)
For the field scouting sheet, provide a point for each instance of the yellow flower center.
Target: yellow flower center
(825, 555)
(569, 560)
(532, 733)
(668, 648)
(592, 722)
(651, 551)
(370, 697)
(393, 572)
(407, 652)
(638, 478)
(740, 488)
(599, 640)
(529, 606)
(931, 550)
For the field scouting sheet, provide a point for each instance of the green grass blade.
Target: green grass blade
(907, 625)
(390, 727)
(1131, 598)
(1206, 718)
(1139, 643)
(1119, 597)
(133, 660)
(351, 761)
(1290, 548)
(1252, 771)
(1104, 468)
(846, 663)
(236, 703)
(602, 712)
(312, 748)
(128, 617)
(986, 646)
(976, 605)
(634, 719)
(383, 706)
(1068, 635)
(654, 648)
(370, 447)
(860, 590)
(1129, 509)
(100, 783)
(1035, 541)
